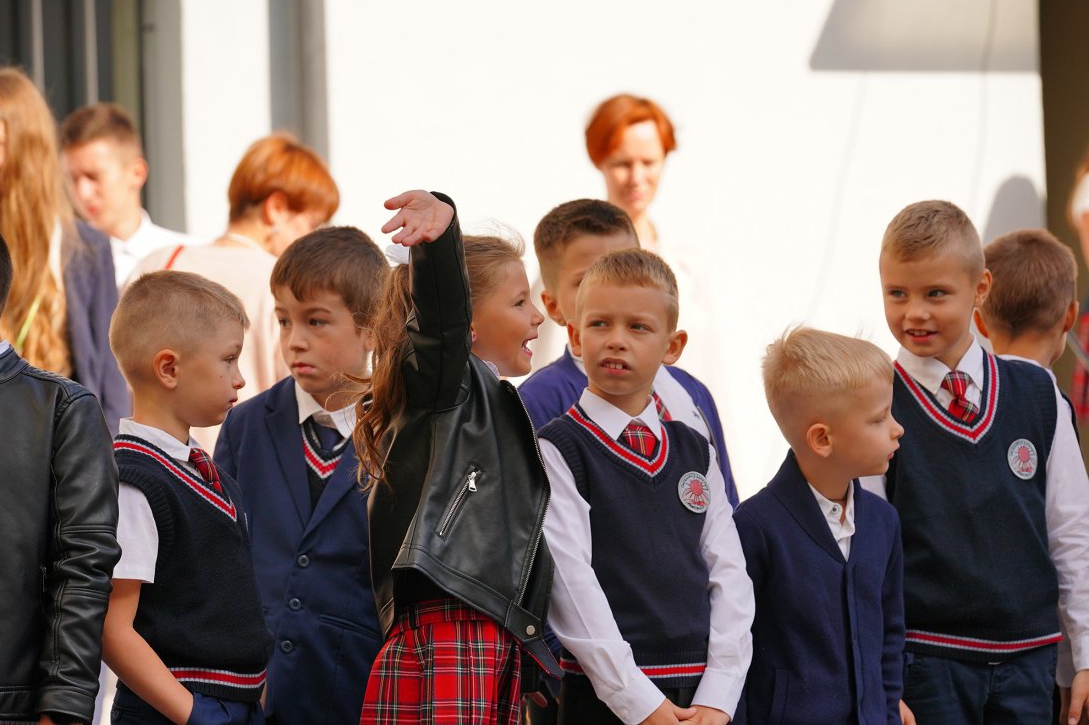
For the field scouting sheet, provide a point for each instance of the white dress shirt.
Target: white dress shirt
(137, 533)
(842, 531)
(580, 614)
(147, 238)
(1066, 502)
(343, 420)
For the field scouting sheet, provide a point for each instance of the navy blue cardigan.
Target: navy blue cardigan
(828, 636)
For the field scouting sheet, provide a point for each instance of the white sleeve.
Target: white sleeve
(1066, 509)
(137, 535)
(729, 645)
(579, 612)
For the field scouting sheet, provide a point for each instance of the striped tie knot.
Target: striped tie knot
(956, 383)
(639, 439)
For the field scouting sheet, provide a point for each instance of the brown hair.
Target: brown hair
(279, 163)
(341, 260)
(32, 200)
(614, 115)
(633, 268)
(572, 219)
(100, 121)
(168, 309)
(807, 372)
(485, 260)
(928, 228)
(1034, 281)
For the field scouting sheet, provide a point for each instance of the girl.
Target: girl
(461, 572)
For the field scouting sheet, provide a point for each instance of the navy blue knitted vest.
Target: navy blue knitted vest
(979, 583)
(645, 542)
(202, 615)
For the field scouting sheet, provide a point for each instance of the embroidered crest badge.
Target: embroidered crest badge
(1022, 459)
(692, 490)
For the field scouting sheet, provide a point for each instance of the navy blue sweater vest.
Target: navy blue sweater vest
(979, 583)
(645, 542)
(202, 615)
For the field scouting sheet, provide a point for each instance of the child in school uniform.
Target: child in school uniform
(290, 450)
(990, 488)
(460, 569)
(650, 598)
(567, 241)
(184, 630)
(824, 555)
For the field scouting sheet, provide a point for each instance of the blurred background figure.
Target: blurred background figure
(1079, 219)
(105, 171)
(64, 291)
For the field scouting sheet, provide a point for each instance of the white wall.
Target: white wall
(785, 178)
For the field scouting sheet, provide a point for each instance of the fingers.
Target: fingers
(684, 713)
(403, 199)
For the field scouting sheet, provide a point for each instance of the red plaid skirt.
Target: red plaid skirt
(445, 664)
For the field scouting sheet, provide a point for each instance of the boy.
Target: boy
(650, 599)
(990, 487)
(58, 535)
(290, 449)
(567, 241)
(105, 169)
(184, 630)
(824, 556)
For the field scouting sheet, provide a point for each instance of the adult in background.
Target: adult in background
(1079, 219)
(64, 289)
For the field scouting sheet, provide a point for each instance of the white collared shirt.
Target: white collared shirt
(343, 419)
(842, 531)
(147, 238)
(580, 614)
(1066, 502)
(137, 533)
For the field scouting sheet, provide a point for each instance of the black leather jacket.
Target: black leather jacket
(58, 524)
(466, 492)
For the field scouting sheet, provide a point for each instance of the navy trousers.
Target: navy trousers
(128, 709)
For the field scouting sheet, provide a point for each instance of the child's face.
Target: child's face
(208, 379)
(321, 343)
(863, 432)
(104, 181)
(576, 258)
(929, 303)
(623, 336)
(505, 321)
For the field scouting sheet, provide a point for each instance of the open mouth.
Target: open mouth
(614, 365)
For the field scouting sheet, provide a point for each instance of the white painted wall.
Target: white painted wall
(785, 178)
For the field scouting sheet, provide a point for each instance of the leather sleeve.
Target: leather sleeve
(82, 552)
(439, 326)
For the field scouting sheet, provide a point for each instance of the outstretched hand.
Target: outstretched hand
(420, 217)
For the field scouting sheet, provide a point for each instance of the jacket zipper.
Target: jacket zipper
(539, 527)
(467, 487)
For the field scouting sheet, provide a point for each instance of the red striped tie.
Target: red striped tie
(956, 383)
(639, 439)
(205, 467)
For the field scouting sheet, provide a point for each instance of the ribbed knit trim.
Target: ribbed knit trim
(970, 432)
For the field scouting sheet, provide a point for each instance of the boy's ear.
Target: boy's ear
(983, 288)
(552, 308)
(980, 324)
(1071, 317)
(819, 439)
(138, 173)
(164, 366)
(574, 337)
(677, 341)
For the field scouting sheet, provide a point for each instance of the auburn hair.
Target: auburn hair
(614, 115)
(279, 163)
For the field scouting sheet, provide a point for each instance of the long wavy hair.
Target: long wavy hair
(32, 203)
(485, 260)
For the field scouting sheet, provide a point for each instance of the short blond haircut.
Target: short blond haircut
(168, 309)
(807, 372)
(928, 228)
(1035, 278)
(634, 268)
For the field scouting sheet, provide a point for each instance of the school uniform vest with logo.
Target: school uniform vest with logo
(202, 615)
(979, 583)
(646, 518)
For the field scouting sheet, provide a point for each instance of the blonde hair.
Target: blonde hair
(635, 268)
(1034, 282)
(806, 370)
(929, 228)
(168, 309)
(32, 203)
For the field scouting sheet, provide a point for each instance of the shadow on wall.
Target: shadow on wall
(928, 36)
(1016, 205)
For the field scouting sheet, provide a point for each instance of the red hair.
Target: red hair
(280, 163)
(616, 114)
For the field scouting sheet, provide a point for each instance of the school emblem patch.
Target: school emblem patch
(692, 490)
(1022, 459)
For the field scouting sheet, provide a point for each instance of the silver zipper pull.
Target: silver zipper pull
(472, 481)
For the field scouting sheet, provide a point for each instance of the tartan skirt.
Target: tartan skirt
(445, 664)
